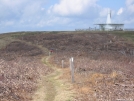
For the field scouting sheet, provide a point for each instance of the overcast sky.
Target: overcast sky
(50, 15)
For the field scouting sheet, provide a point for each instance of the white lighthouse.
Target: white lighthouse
(109, 26)
(109, 17)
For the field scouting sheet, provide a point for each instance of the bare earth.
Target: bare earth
(55, 89)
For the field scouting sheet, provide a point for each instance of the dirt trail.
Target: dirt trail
(52, 88)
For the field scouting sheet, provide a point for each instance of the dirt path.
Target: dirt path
(52, 88)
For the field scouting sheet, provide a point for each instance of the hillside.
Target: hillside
(103, 61)
(20, 69)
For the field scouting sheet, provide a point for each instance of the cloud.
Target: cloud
(31, 11)
(72, 7)
(129, 2)
(13, 3)
(129, 21)
(104, 12)
(6, 23)
(120, 11)
(126, 14)
(52, 21)
(130, 5)
(59, 14)
(21, 12)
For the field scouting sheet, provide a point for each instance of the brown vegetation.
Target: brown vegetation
(20, 69)
(104, 65)
(18, 49)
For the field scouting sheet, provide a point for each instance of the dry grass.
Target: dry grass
(19, 78)
(103, 66)
(64, 89)
(5, 41)
(20, 69)
(104, 78)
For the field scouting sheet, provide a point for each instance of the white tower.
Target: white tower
(109, 26)
(109, 17)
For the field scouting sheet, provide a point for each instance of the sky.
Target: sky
(62, 15)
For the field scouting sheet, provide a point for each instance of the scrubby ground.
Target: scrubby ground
(20, 69)
(55, 88)
(101, 79)
(18, 78)
(104, 63)
(19, 49)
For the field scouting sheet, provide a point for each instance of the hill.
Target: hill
(104, 62)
